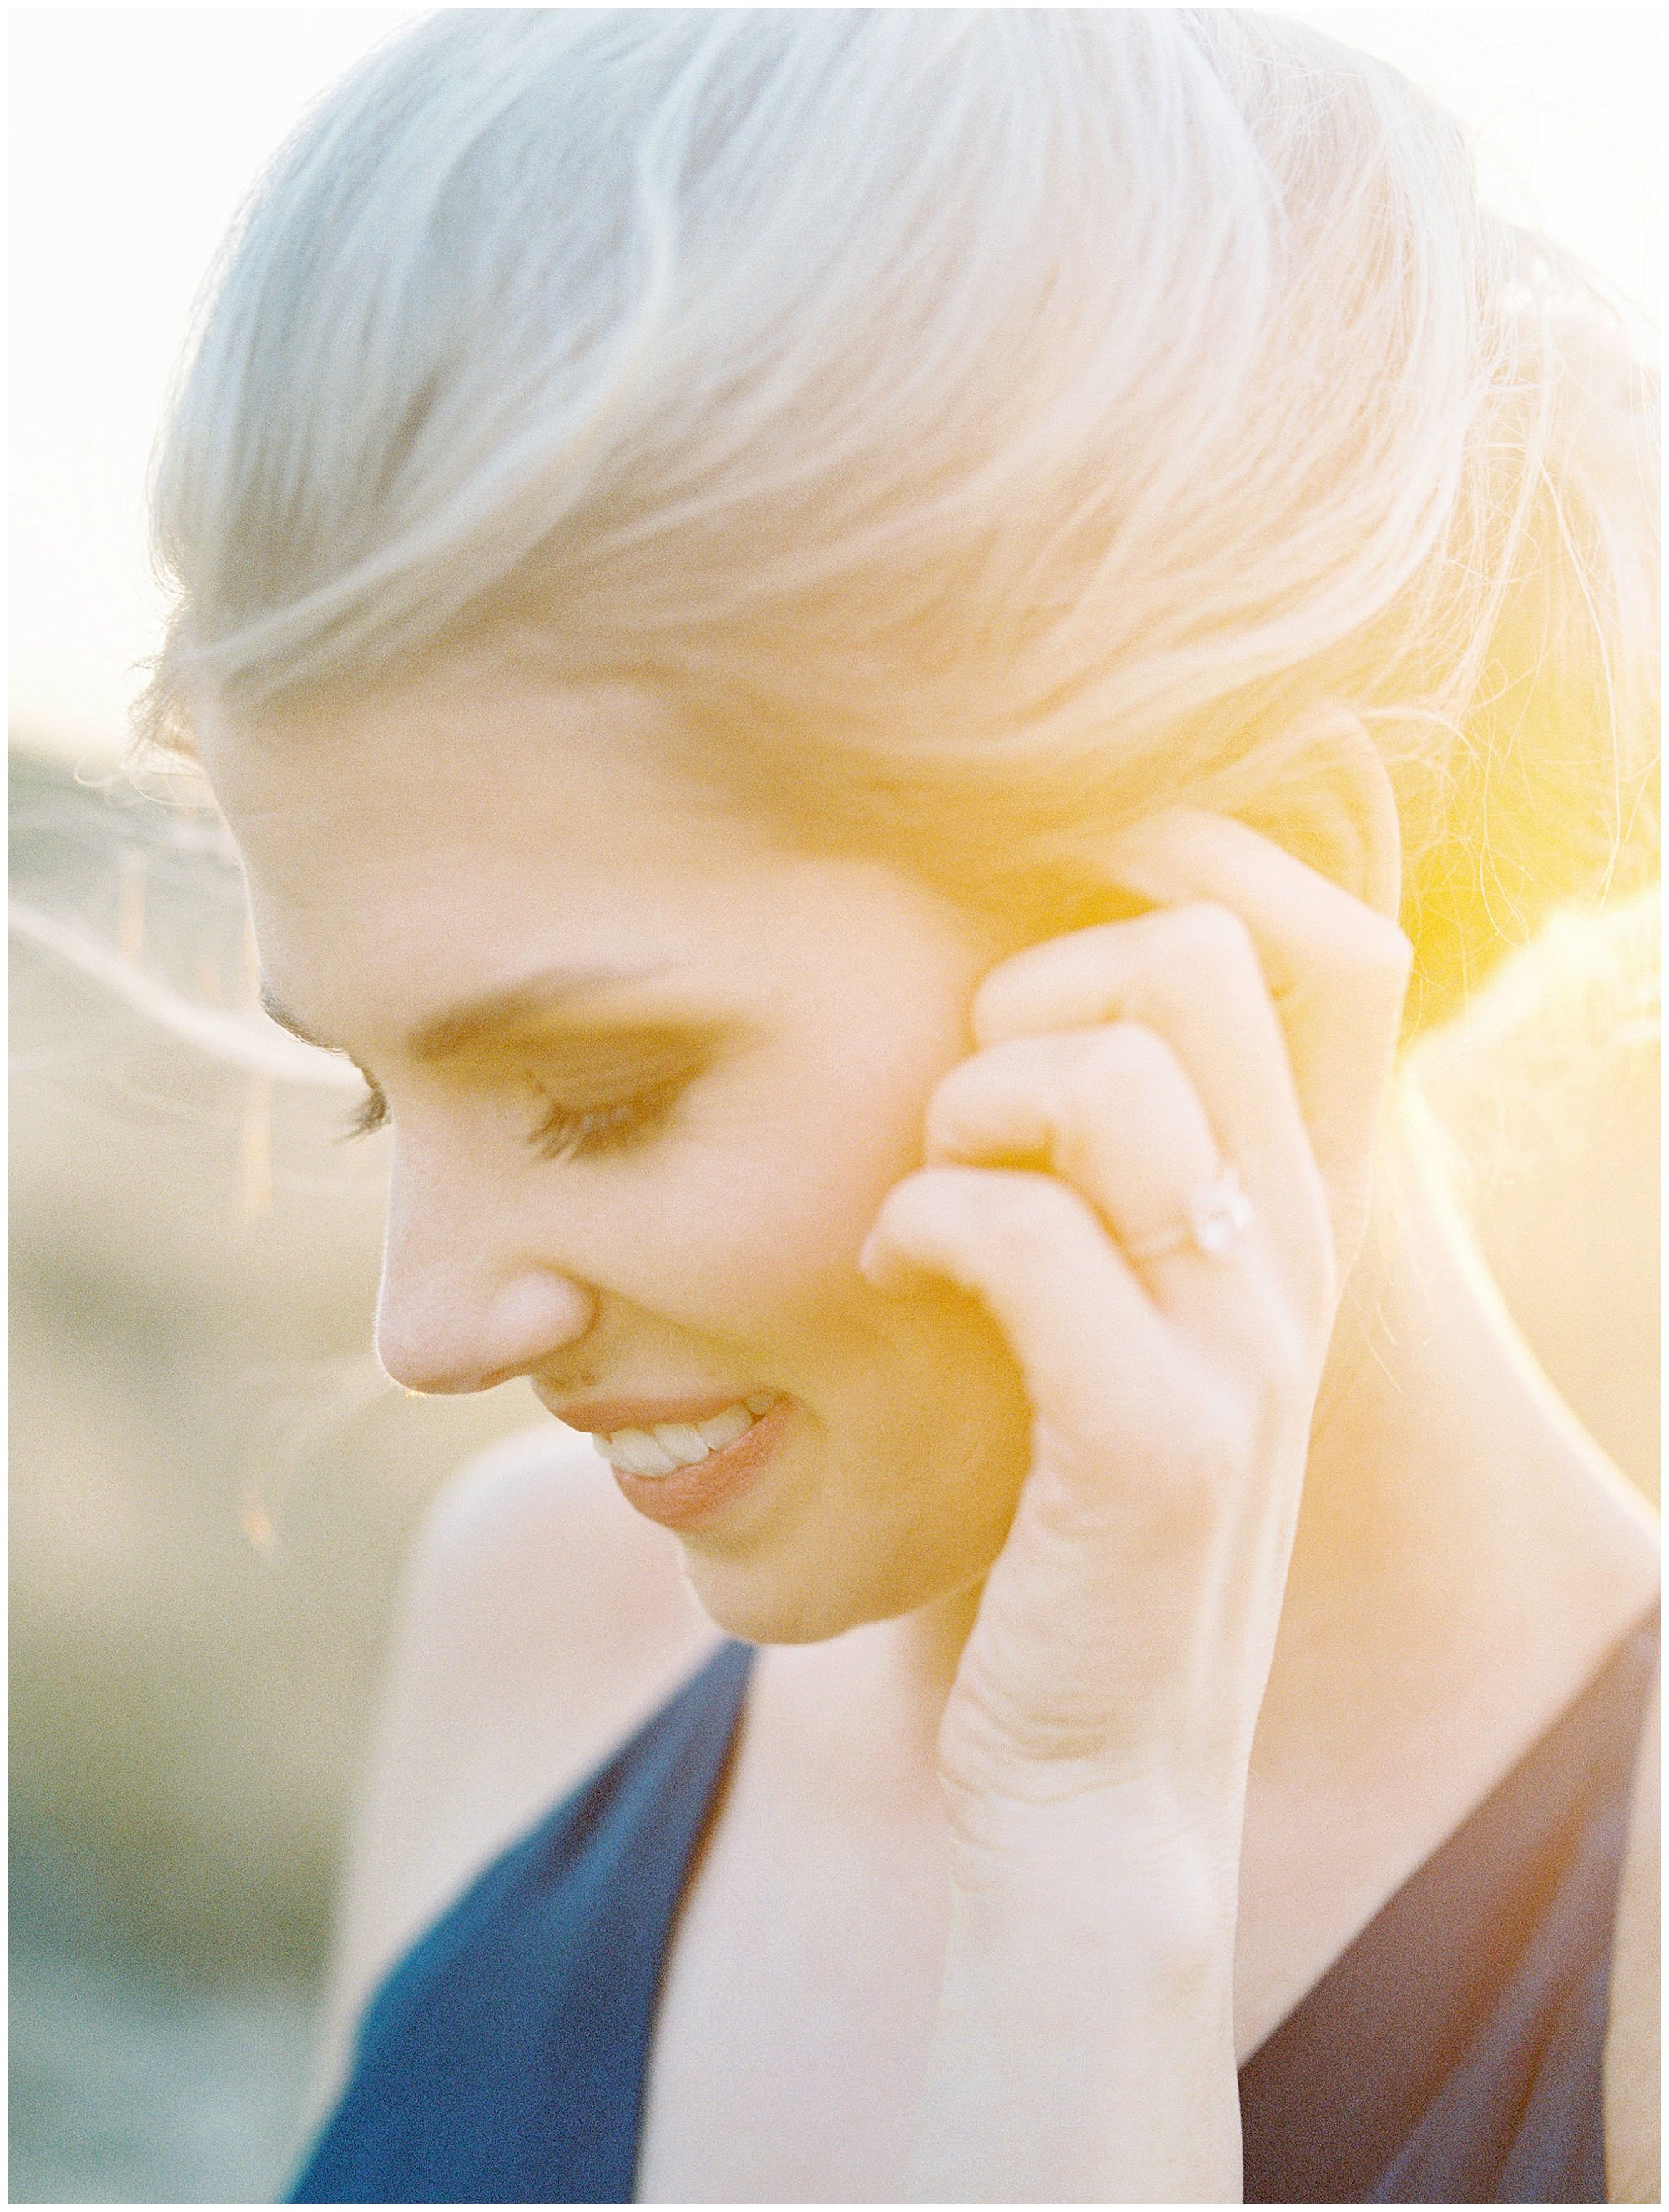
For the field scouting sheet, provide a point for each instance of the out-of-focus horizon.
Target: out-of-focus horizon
(135, 134)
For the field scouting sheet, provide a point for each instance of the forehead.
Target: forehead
(470, 749)
(473, 817)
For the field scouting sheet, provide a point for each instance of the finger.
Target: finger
(1113, 1111)
(1191, 974)
(1088, 1343)
(1336, 968)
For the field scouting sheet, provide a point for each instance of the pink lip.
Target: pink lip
(694, 1494)
(601, 1417)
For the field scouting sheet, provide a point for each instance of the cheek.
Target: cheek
(766, 1213)
(780, 1227)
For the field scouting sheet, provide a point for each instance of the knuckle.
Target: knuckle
(1024, 1214)
(1121, 1055)
(951, 1107)
(1368, 942)
(918, 1206)
(1002, 1207)
(1002, 1000)
(1216, 936)
(938, 1191)
(999, 1092)
(1035, 989)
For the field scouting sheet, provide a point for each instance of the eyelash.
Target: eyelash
(371, 1114)
(561, 1133)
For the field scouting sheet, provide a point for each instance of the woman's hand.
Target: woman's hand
(1094, 1747)
(1112, 1680)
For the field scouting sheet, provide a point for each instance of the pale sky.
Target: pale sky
(136, 132)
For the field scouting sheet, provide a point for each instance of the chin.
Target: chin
(906, 1518)
(762, 1606)
(827, 1589)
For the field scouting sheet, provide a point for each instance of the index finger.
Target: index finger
(1337, 969)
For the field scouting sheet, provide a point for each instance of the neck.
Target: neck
(1457, 1524)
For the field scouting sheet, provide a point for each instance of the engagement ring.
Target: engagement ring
(1218, 1213)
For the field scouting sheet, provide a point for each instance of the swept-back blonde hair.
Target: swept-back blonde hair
(986, 424)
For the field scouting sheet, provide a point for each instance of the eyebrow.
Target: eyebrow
(491, 1015)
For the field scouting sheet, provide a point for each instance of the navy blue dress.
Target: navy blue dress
(1452, 2054)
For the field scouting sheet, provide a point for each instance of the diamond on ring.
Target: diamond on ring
(1218, 1213)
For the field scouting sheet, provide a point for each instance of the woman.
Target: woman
(869, 663)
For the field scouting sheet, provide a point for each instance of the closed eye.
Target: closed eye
(561, 1133)
(566, 1132)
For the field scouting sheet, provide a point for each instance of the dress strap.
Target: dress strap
(1454, 2053)
(504, 2059)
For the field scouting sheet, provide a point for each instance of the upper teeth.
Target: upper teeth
(682, 1444)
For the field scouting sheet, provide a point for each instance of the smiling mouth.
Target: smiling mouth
(658, 1474)
(656, 1438)
(670, 1446)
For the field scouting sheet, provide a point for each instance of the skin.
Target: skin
(1137, 1625)
(719, 1259)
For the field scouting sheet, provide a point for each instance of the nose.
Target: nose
(441, 1351)
(462, 1309)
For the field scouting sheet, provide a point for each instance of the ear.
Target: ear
(1330, 803)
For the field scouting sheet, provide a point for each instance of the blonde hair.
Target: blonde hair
(987, 424)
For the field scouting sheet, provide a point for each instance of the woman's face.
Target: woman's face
(650, 1072)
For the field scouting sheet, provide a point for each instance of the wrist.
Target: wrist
(1169, 1900)
(1084, 2045)
(1153, 1835)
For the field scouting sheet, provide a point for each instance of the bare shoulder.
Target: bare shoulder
(539, 1620)
(1632, 2039)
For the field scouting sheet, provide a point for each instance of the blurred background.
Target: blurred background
(212, 1487)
